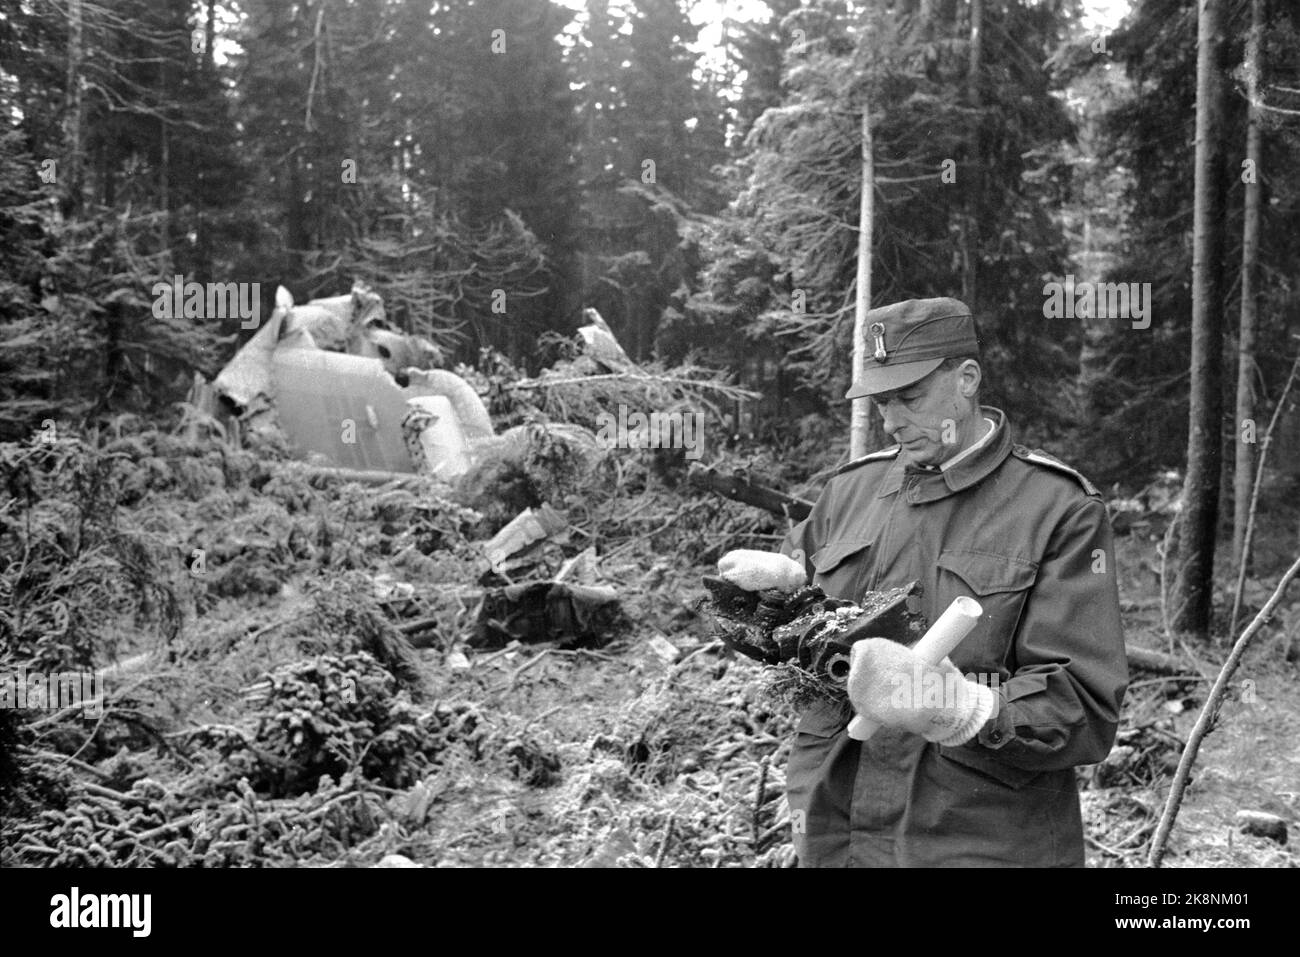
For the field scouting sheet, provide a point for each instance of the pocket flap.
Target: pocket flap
(1022, 685)
(829, 556)
(989, 572)
(1014, 778)
(823, 720)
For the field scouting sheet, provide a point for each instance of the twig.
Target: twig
(677, 669)
(1248, 538)
(758, 802)
(269, 627)
(586, 652)
(514, 675)
(109, 793)
(418, 625)
(663, 845)
(1209, 715)
(513, 646)
(1119, 849)
(80, 765)
(540, 717)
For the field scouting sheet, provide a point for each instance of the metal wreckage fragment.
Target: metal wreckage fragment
(808, 632)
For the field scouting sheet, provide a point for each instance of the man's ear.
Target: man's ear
(970, 375)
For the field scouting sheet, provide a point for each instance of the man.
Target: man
(982, 772)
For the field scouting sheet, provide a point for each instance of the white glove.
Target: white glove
(753, 570)
(890, 684)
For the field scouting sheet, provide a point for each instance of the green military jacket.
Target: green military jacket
(1030, 540)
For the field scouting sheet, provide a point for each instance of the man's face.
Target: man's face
(932, 419)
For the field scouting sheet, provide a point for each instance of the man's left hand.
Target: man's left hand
(894, 687)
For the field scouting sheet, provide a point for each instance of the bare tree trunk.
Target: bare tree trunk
(860, 424)
(1246, 450)
(74, 114)
(972, 172)
(1204, 447)
(209, 36)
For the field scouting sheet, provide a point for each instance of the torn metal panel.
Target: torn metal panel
(529, 526)
(434, 437)
(344, 407)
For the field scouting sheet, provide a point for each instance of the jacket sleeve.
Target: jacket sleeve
(1060, 708)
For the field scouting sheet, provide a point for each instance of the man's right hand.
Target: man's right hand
(761, 571)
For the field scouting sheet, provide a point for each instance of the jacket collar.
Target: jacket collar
(929, 485)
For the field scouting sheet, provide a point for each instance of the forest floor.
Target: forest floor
(263, 707)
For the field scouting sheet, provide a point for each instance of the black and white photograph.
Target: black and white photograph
(650, 434)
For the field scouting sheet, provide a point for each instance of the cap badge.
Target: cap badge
(878, 330)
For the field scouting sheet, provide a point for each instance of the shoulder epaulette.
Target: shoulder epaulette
(1039, 457)
(889, 453)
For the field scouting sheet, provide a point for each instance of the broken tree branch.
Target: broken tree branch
(739, 488)
(1209, 716)
(1157, 662)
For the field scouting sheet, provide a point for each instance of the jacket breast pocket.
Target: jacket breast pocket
(1001, 584)
(842, 568)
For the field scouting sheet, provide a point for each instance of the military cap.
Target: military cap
(906, 341)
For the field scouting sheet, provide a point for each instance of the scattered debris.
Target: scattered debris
(572, 615)
(528, 527)
(665, 649)
(600, 342)
(1263, 824)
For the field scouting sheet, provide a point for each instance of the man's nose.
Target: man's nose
(889, 415)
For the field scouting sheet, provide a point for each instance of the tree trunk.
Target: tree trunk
(1246, 450)
(860, 424)
(972, 173)
(209, 37)
(295, 218)
(1201, 489)
(74, 114)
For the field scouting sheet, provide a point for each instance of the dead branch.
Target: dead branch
(1248, 538)
(1209, 716)
(663, 845)
(739, 488)
(1156, 662)
(514, 675)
